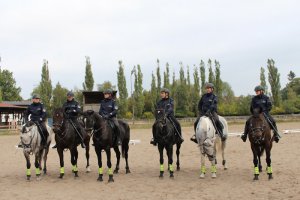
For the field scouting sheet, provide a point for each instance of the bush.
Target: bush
(128, 115)
(148, 115)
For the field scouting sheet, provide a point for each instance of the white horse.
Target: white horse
(31, 142)
(208, 141)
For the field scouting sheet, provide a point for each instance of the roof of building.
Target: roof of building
(18, 103)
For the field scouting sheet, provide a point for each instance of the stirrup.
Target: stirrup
(193, 138)
(54, 147)
(244, 137)
(276, 138)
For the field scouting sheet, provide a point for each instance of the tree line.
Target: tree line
(186, 89)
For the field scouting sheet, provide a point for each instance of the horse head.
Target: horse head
(160, 117)
(257, 129)
(58, 120)
(88, 120)
(26, 136)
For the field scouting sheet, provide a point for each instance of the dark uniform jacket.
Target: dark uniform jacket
(208, 102)
(71, 109)
(108, 108)
(37, 112)
(261, 101)
(167, 105)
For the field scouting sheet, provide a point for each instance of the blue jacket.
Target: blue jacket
(261, 101)
(208, 102)
(167, 105)
(71, 109)
(37, 112)
(108, 108)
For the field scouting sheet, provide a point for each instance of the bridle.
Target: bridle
(255, 131)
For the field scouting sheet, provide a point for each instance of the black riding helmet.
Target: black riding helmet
(70, 94)
(36, 96)
(108, 91)
(165, 90)
(258, 88)
(209, 85)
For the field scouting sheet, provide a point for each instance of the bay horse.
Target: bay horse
(103, 140)
(66, 137)
(259, 133)
(208, 140)
(31, 143)
(164, 132)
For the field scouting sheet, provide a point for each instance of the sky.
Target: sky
(241, 35)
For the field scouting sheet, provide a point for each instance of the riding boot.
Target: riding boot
(153, 140)
(276, 134)
(20, 145)
(245, 134)
(83, 145)
(54, 147)
(193, 138)
(220, 130)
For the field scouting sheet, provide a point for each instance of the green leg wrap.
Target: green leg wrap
(213, 169)
(62, 170)
(171, 168)
(203, 169)
(269, 170)
(37, 171)
(100, 170)
(28, 172)
(161, 168)
(256, 170)
(110, 172)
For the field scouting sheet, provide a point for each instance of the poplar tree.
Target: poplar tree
(274, 81)
(202, 75)
(45, 87)
(263, 82)
(88, 84)
(123, 94)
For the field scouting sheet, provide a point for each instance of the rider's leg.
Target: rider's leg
(177, 126)
(153, 140)
(244, 135)
(274, 127)
(193, 138)
(219, 125)
(117, 131)
(80, 130)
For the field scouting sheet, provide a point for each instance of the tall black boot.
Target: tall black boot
(245, 134)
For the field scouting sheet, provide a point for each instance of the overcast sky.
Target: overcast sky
(241, 35)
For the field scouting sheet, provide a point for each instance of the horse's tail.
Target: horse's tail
(125, 142)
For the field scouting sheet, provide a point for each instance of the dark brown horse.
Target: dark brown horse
(103, 140)
(66, 137)
(261, 140)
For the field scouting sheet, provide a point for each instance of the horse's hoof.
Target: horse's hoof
(111, 179)
(28, 178)
(214, 175)
(178, 168)
(202, 175)
(223, 162)
(171, 175)
(100, 179)
(61, 176)
(161, 175)
(116, 171)
(270, 176)
(255, 178)
(128, 171)
(76, 174)
(88, 169)
(38, 178)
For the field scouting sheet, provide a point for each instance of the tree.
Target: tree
(123, 94)
(138, 92)
(59, 96)
(0, 94)
(218, 81)
(202, 75)
(105, 85)
(290, 105)
(9, 90)
(274, 81)
(88, 84)
(153, 92)
(45, 87)
(195, 95)
(158, 77)
(211, 76)
(263, 82)
(167, 77)
(291, 76)
(182, 94)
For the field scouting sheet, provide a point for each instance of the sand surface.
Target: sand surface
(143, 182)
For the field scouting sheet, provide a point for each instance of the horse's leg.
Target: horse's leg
(161, 160)
(87, 153)
(259, 161)
(110, 172)
(178, 145)
(74, 157)
(125, 148)
(215, 147)
(118, 154)
(268, 160)
(213, 168)
(203, 168)
(60, 152)
(45, 158)
(170, 160)
(37, 164)
(100, 170)
(223, 146)
(255, 162)
(28, 165)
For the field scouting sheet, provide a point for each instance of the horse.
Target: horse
(261, 140)
(164, 132)
(66, 137)
(31, 142)
(102, 138)
(208, 140)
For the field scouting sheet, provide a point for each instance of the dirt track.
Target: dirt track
(143, 182)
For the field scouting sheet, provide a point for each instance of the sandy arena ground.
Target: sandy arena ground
(143, 182)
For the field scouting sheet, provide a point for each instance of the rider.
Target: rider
(71, 110)
(167, 104)
(262, 102)
(37, 114)
(208, 106)
(108, 110)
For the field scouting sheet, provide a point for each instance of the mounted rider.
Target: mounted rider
(37, 114)
(108, 110)
(167, 104)
(208, 106)
(262, 102)
(71, 110)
